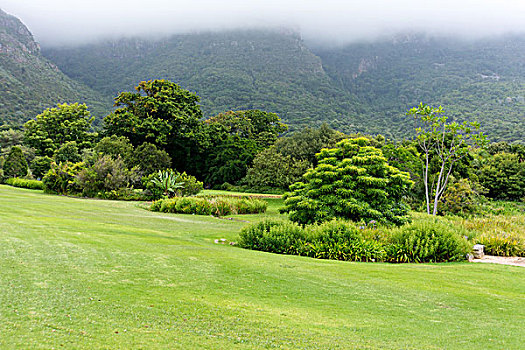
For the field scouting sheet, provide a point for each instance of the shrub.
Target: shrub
(15, 164)
(337, 240)
(502, 244)
(218, 206)
(274, 237)
(428, 242)
(25, 183)
(40, 166)
(221, 206)
(170, 183)
(342, 240)
(460, 199)
(61, 178)
(106, 175)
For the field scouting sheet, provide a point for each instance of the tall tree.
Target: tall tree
(56, 126)
(233, 141)
(446, 143)
(162, 113)
(15, 164)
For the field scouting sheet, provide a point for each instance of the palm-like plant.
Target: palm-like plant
(168, 182)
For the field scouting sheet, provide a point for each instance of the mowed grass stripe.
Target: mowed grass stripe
(75, 272)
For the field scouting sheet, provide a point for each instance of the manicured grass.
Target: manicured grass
(93, 274)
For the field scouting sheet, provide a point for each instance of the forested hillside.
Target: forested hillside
(30, 82)
(268, 70)
(361, 87)
(482, 80)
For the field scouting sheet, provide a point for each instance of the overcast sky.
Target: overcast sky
(67, 21)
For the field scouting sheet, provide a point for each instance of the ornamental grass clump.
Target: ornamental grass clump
(213, 205)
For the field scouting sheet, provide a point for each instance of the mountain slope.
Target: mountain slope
(268, 70)
(482, 80)
(29, 82)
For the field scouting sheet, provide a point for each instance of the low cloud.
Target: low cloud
(57, 22)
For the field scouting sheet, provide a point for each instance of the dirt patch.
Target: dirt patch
(512, 260)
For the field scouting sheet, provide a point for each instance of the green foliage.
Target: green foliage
(40, 166)
(502, 244)
(271, 169)
(305, 143)
(61, 178)
(340, 240)
(272, 236)
(210, 205)
(503, 175)
(189, 185)
(234, 140)
(443, 143)
(461, 199)
(352, 181)
(105, 175)
(150, 159)
(68, 152)
(115, 146)
(429, 242)
(161, 113)
(55, 126)
(15, 164)
(25, 183)
(168, 182)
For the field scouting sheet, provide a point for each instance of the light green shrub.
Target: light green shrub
(429, 242)
(25, 183)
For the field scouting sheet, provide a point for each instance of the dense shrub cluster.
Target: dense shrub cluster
(25, 183)
(210, 205)
(502, 244)
(340, 240)
(429, 242)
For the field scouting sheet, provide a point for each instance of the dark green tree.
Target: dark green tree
(304, 144)
(15, 164)
(115, 146)
(56, 126)
(232, 141)
(40, 166)
(68, 152)
(161, 113)
(150, 159)
(271, 169)
(503, 175)
(352, 181)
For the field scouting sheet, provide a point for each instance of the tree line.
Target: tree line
(161, 126)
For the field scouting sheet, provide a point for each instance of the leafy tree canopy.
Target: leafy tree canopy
(233, 140)
(56, 126)
(161, 113)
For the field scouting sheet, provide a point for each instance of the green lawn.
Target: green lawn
(79, 273)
